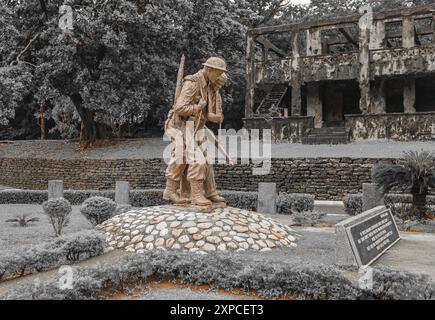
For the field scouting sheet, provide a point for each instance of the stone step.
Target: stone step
(328, 135)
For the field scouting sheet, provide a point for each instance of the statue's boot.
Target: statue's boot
(185, 189)
(197, 197)
(216, 198)
(170, 192)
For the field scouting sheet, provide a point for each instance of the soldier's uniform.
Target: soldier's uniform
(189, 110)
(194, 89)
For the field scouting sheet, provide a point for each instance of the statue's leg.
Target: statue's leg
(196, 172)
(210, 186)
(185, 186)
(174, 172)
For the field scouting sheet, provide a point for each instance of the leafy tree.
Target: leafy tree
(415, 173)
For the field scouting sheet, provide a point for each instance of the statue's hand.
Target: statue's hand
(215, 117)
(200, 106)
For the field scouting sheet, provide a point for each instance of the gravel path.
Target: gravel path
(153, 148)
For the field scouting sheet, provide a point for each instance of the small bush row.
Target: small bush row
(36, 258)
(228, 271)
(286, 202)
(400, 204)
(289, 203)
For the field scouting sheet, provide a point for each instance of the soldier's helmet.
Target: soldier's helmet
(216, 63)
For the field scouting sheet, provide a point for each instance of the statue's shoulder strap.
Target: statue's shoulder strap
(192, 77)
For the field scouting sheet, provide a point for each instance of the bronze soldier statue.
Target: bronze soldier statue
(197, 103)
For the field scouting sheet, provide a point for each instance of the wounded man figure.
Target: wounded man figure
(198, 102)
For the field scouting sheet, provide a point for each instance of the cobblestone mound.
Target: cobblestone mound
(186, 228)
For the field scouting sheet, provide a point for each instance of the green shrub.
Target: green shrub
(288, 203)
(227, 271)
(307, 218)
(98, 209)
(58, 211)
(353, 204)
(36, 258)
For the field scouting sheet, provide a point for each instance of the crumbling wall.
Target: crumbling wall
(394, 126)
(290, 129)
(276, 71)
(330, 67)
(397, 62)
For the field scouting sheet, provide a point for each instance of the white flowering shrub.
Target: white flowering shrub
(98, 209)
(58, 211)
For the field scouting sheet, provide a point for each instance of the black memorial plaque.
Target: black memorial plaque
(373, 236)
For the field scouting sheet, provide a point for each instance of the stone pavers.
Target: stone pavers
(188, 229)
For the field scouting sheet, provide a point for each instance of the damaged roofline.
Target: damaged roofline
(382, 15)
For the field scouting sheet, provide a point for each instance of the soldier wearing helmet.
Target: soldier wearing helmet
(197, 103)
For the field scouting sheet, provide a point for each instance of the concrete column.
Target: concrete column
(377, 35)
(266, 198)
(295, 81)
(314, 103)
(314, 42)
(296, 99)
(365, 25)
(408, 34)
(122, 192)
(250, 76)
(55, 189)
(409, 96)
(379, 105)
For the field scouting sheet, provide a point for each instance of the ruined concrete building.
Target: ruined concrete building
(368, 76)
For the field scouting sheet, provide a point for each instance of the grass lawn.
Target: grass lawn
(14, 236)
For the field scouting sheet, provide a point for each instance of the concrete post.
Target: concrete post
(372, 196)
(266, 198)
(314, 103)
(296, 106)
(122, 192)
(55, 189)
(314, 42)
(379, 96)
(409, 96)
(377, 35)
(364, 54)
(250, 79)
(408, 34)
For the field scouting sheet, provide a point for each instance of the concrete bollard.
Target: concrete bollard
(55, 189)
(266, 198)
(122, 192)
(372, 196)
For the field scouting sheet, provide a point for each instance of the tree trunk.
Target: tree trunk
(419, 204)
(91, 131)
(42, 121)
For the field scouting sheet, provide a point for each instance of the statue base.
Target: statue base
(189, 228)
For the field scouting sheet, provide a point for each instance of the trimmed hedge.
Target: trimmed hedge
(98, 209)
(307, 218)
(36, 258)
(228, 271)
(288, 203)
(353, 203)
(58, 211)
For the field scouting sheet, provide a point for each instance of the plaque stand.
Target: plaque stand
(346, 249)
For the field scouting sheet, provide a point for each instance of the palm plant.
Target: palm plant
(23, 220)
(415, 173)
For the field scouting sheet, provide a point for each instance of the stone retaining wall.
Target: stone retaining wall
(327, 179)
